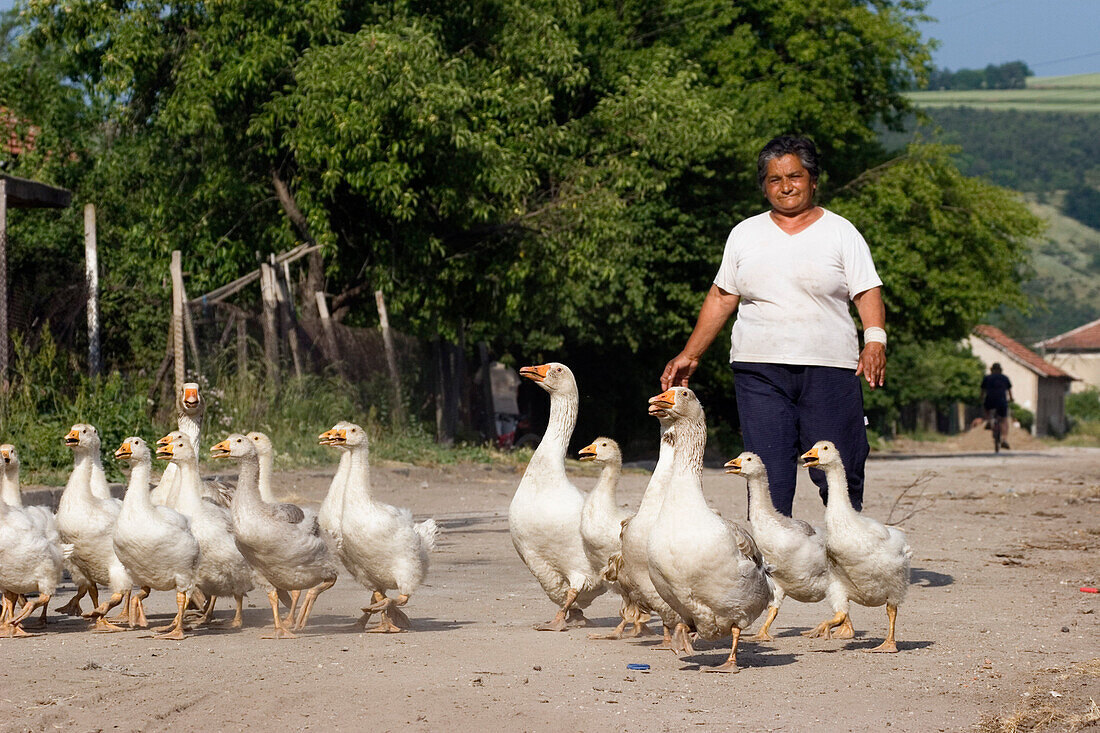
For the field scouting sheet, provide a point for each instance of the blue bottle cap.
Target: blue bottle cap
(637, 666)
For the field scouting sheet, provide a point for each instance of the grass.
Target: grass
(1042, 711)
(1077, 93)
(49, 393)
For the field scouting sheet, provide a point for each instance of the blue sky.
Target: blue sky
(1054, 37)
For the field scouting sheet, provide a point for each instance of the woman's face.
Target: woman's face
(787, 185)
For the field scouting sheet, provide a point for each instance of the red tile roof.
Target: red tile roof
(1082, 338)
(998, 339)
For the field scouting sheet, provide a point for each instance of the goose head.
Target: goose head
(235, 446)
(262, 443)
(174, 435)
(551, 376)
(677, 403)
(747, 464)
(83, 438)
(601, 450)
(175, 448)
(133, 450)
(343, 434)
(9, 458)
(190, 402)
(823, 453)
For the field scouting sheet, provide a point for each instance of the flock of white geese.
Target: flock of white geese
(204, 539)
(674, 557)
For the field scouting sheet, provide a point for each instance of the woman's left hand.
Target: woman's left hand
(872, 364)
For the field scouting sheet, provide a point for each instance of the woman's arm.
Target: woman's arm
(717, 308)
(872, 360)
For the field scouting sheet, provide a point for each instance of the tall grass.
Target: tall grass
(49, 392)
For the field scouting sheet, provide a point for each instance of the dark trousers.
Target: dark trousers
(785, 409)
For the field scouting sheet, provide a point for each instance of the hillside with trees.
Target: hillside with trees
(554, 180)
(1054, 159)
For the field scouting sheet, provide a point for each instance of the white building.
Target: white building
(1077, 352)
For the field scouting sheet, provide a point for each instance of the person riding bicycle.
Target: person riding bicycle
(996, 394)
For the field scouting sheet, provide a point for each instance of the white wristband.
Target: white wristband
(874, 334)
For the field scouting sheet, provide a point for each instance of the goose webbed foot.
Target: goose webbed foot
(575, 619)
(681, 640)
(824, 629)
(311, 597)
(393, 618)
(9, 631)
(103, 626)
(844, 631)
(616, 634)
(889, 646)
(280, 631)
(762, 634)
(72, 608)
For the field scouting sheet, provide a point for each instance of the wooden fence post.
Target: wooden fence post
(242, 346)
(5, 344)
(177, 319)
(271, 334)
(286, 312)
(391, 360)
(326, 326)
(91, 277)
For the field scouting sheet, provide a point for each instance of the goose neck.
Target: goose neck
(9, 488)
(80, 480)
(263, 478)
(563, 418)
(358, 486)
(609, 480)
(248, 490)
(137, 490)
(760, 499)
(837, 481)
(190, 427)
(189, 488)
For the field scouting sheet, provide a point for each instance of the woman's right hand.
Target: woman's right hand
(678, 371)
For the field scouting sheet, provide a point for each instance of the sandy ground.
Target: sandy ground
(994, 626)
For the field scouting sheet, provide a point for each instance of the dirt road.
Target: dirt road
(994, 625)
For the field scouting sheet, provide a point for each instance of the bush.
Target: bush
(50, 392)
(1025, 417)
(1084, 406)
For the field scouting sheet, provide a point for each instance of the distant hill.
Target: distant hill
(1043, 141)
(1065, 289)
(1077, 93)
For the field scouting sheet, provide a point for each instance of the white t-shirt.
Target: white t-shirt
(795, 290)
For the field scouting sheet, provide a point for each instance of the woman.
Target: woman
(789, 273)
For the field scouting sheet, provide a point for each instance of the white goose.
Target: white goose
(29, 563)
(87, 522)
(42, 518)
(707, 568)
(266, 453)
(602, 524)
(545, 515)
(379, 544)
(631, 569)
(221, 569)
(794, 551)
(871, 559)
(190, 409)
(289, 552)
(333, 505)
(154, 542)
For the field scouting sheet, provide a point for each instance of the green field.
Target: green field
(1077, 93)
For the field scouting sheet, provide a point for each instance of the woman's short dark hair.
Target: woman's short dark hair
(777, 147)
